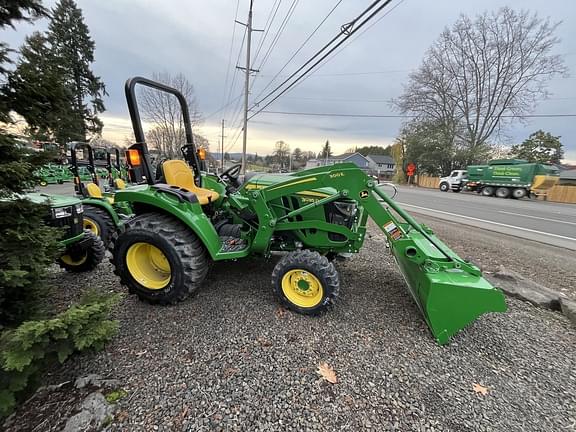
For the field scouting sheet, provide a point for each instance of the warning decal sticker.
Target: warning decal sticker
(392, 230)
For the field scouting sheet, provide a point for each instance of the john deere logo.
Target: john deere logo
(364, 194)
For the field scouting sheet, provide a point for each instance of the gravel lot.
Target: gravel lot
(230, 359)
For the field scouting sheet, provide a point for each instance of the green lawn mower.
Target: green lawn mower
(186, 218)
(52, 173)
(102, 215)
(83, 249)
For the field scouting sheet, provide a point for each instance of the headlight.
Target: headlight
(79, 208)
(62, 212)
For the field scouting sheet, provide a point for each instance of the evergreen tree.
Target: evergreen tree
(326, 151)
(73, 49)
(26, 244)
(37, 92)
(16, 10)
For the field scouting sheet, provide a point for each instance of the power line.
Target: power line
(236, 70)
(352, 73)
(318, 114)
(223, 107)
(230, 51)
(269, 21)
(279, 33)
(354, 39)
(300, 48)
(346, 30)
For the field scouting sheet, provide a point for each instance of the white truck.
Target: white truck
(454, 182)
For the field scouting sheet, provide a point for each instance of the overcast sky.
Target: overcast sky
(140, 37)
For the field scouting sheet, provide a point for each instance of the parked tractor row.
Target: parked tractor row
(168, 224)
(503, 178)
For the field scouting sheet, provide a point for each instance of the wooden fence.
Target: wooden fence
(561, 194)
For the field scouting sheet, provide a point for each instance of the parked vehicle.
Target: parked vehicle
(504, 178)
(83, 250)
(185, 218)
(102, 215)
(454, 182)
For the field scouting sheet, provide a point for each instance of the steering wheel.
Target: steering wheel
(231, 175)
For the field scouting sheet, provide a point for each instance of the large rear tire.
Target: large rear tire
(487, 191)
(159, 259)
(518, 193)
(86, 260)
(306, 282)
(100, 222)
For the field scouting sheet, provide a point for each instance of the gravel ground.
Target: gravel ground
(230, 359)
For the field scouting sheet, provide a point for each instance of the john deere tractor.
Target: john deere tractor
(102, 215)
(83, 250)
(186, 218)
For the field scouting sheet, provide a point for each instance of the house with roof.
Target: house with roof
(356, 158)
(382, 166)
(568, 175)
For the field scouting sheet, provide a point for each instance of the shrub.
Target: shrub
(33, 346)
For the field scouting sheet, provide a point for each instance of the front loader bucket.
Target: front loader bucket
(450, 294)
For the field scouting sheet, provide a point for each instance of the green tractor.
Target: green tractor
(83, 250)
(185, 218)
(102, 215)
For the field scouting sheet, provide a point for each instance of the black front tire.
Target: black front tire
(99, 217)
(83, 261)
(316, 265)
(183, 251)
(444, 187)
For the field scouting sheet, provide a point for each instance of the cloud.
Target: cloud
(135, 37)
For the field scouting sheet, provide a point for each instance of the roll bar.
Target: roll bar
(140, 145)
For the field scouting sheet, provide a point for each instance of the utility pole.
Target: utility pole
(222, 152)
(247, 72)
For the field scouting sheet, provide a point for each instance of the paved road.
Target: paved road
(550, 223)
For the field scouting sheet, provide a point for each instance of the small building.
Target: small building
(356, 158)
(382, 166)
(568, 176)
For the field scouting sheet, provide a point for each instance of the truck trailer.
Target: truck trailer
(504, 178)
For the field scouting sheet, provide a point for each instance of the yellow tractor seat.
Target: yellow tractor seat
(119, 183)
(95, 192)
(178, 173)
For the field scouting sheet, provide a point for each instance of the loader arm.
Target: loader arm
(449, 291)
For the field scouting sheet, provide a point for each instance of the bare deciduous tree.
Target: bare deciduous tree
(164, 112)
(281, 153)
(482, 73)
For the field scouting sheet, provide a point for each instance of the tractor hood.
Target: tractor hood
(259, 181)
(52, 200)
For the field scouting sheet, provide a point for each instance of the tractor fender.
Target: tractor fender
(105, 205)
(189, 213)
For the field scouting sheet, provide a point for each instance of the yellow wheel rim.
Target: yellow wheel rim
(148, 265)
(67, 259)
(302, 288)
(89, 224)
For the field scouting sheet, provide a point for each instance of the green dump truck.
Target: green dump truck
(504, 178)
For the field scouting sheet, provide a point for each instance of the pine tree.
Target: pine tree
(73, 48)
(26, 244)
(37, 92)
(326, 151)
